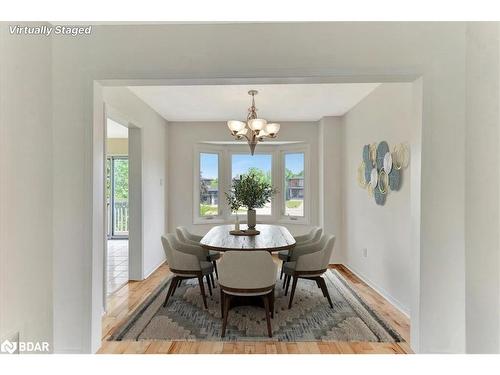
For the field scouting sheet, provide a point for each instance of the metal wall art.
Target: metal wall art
(381, 170)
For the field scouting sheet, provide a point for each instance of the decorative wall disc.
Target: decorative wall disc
(374, 178)
(395, 179)
(381, 171)
(361, 175)
(382, 149)
(401, 156)
(379, 197)
(366, 155)
(369, 189)
(383, 182)
(373, 154)
(388, 162)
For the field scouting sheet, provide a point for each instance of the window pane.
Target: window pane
(294, 184)
(209, 184)
(259, 164)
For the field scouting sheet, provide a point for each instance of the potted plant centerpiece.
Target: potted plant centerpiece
(251, 192)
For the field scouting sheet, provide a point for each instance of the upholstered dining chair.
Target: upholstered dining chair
(193, 239)
(185, 265)
(306, 248)
(197, 250)
(313, 236)
(310, 266)
(247, 274)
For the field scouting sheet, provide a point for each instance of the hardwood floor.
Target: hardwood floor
(125, 300)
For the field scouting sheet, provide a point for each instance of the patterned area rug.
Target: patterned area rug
(309, 319)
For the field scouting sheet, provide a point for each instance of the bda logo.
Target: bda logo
(8, 347)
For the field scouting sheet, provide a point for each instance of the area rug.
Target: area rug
(310, 318)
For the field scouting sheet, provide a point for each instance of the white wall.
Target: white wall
(154, 158)
(183, 138)
(482, 252)
(375, 52)
(385, 231)
(331, 166)
(26, 188)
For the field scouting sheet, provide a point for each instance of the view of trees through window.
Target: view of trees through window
(260, 165)
(294, 184)
(209, 184)
(292, 191)
(117, 195)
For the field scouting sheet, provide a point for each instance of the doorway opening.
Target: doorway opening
(117, 206)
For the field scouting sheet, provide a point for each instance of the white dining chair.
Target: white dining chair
(313, 236)
(310, 265)
(247, 274)
(189, 238)
(185, 265)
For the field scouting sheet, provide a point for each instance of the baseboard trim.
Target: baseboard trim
(398, 305)
(155, 268)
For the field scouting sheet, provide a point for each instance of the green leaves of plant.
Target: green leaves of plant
(250, 191)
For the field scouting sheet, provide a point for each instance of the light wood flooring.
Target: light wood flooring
(122, 303)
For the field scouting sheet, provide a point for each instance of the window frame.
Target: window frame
(295, 149)
(240, 150)
(277, 152)
(197, 218)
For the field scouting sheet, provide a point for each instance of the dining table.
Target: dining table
(271, 238)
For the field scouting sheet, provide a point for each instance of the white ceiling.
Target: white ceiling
(277, 102)
(115, 130)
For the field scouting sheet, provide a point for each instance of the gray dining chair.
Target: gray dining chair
(305, 248)
(185, 265)
(313, 236)
(187, 237)
(193, 249)
(247, 274)
(310, 265)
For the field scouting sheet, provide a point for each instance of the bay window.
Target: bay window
(284, 166)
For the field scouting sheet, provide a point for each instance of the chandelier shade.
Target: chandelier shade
(255, 129)
(236, 126)
(272, 128)
(257, 124)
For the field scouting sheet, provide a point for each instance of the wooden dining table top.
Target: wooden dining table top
(271, 238)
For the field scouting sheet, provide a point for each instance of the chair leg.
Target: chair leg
(288, 277)
(222, 296)
(176, 285)
(208, 283)
(170, 288)
(272, 303)
(202, 290)
(325, 291)
(284, 281)
(213, 282)
(268, 314)
(282, 270)
(215, 269)
(226, 313)
(294, 285)
(318, 282)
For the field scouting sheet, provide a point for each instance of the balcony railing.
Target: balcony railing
(119, 220)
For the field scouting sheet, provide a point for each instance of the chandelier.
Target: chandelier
(254, 129)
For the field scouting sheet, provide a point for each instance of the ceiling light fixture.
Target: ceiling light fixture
(254, 129)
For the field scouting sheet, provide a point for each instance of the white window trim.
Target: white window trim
(197, 218)
(243, 150)
(278, 179)
(287, 219)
